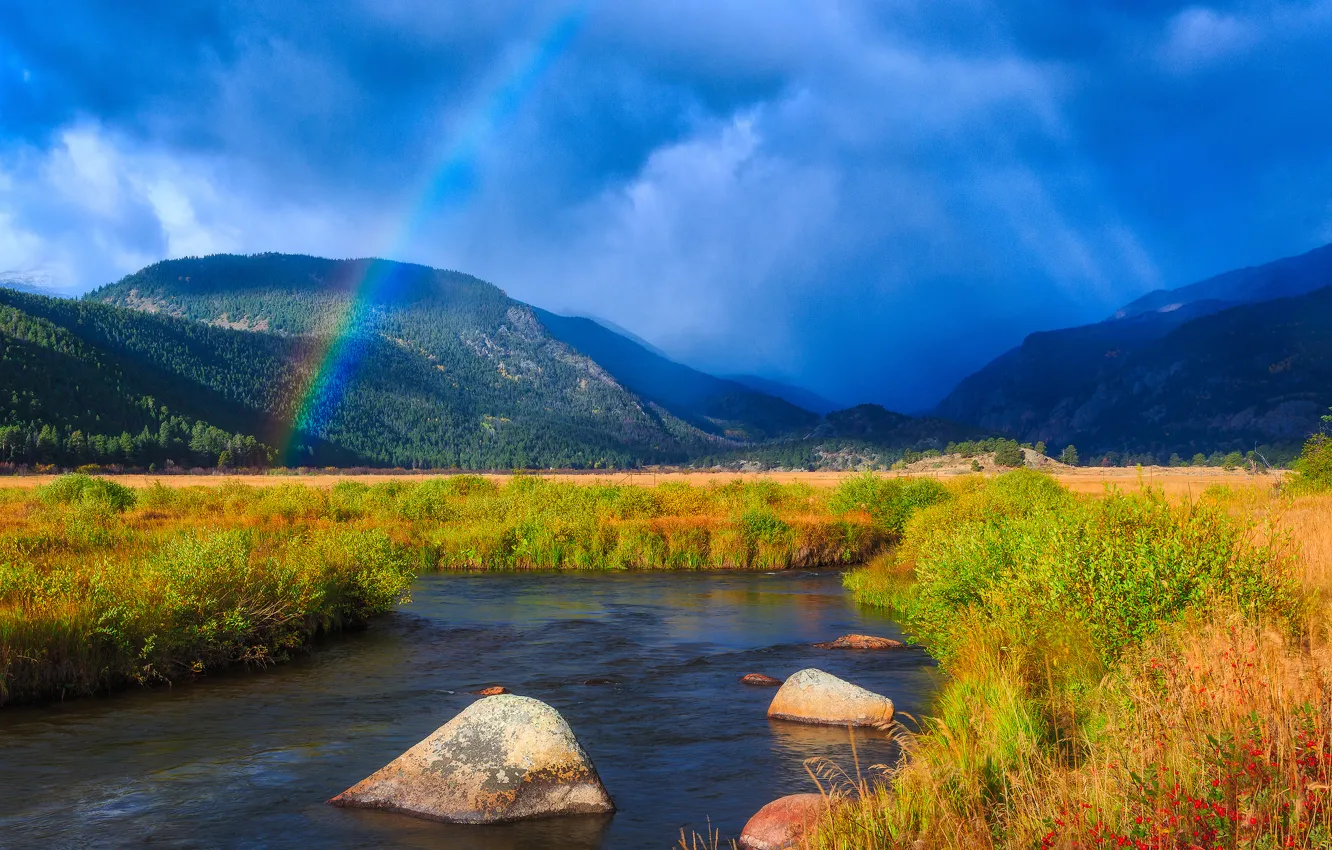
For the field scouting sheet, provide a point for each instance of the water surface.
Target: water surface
(248, 759)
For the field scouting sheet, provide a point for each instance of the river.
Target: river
(247, 758)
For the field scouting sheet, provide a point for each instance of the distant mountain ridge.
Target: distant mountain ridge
(1231, 362)
(715, 405)
(1282, 278)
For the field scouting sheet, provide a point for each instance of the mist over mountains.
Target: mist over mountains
(1229, 363)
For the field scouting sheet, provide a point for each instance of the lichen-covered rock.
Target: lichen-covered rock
(813, 696)
(761, 680)
(504, 758)
(861, 642)
(782, 824)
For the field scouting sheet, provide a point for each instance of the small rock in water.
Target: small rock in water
(861, 642)
(813, 696)
(502, 759)
(599, 682)
(783, 823)
(494, 691)
(760, 679)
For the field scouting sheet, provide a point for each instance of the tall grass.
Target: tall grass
(103, 586)
(1122, 671)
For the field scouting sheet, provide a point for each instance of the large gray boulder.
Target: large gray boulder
(504, 758)
(813, 696)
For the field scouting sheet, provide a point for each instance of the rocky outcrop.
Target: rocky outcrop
(504, 758)
(813, 696)
(761, 680)
(861, 642)
(782, 824)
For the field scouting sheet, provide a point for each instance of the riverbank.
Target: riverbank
(1128, 671)
(103, 586)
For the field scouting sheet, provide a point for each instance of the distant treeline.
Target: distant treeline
(858, 454)
(175, 442)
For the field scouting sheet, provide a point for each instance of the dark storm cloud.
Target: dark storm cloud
(871, 199)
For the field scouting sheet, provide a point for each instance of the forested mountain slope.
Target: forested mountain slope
(68, 398)
(447, 370)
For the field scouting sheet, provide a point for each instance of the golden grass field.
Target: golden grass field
(1175, 481)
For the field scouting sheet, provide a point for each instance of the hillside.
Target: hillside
(1180, 372)
(441, 369)
(66, 399)
(712, 404)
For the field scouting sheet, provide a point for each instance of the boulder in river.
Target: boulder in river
(492, 691)
(761, 680)
(783, 823)
(504, 758)
(861, 642)
(813, 696)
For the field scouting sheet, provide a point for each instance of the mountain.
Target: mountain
(714, 405)
(385, 363)
(874, 424)
(1279, 279)
(1239, 360)
(866, 436)
(35, 283)
(799, 396)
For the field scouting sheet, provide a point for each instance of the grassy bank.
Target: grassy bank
(103, 585)
(1122, 671)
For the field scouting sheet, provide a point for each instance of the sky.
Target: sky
(868, 199)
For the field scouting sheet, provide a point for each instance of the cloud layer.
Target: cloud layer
(871, 200)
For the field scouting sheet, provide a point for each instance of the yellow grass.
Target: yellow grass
(1174, 481)
(1215, 733)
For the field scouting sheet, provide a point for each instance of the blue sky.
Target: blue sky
(870, 199)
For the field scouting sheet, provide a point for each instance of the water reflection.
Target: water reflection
(249, 758)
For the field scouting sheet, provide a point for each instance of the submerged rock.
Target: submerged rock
(599, 682)
(813, 696)
(784, 822)
(861, 642)
(760, 679)
(503, 758)
(493, 691)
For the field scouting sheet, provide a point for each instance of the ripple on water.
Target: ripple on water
(247, 759)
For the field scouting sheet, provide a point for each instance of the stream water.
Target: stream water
(247, 759)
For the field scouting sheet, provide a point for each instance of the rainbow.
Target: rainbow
(337, 354)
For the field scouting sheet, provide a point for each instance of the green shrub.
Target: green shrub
(1023, 554)
(84, 490)
(1313, 468)
(888, 501)
(761, 525)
